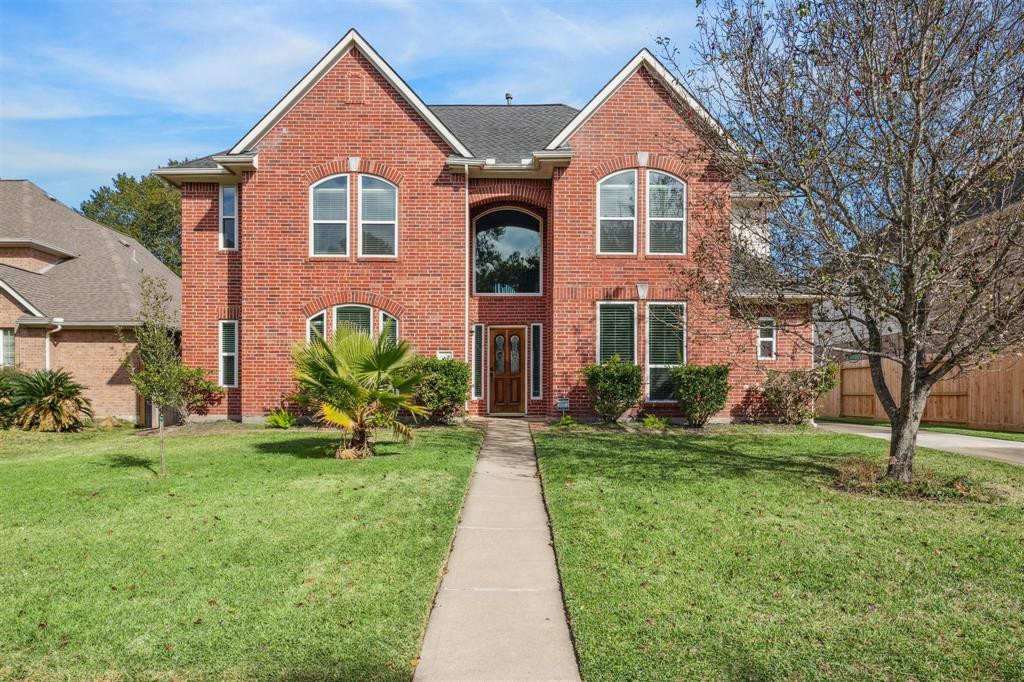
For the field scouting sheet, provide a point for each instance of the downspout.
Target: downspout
(59, 322)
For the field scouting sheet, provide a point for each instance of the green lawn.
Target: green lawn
(731, 557)
(260, 557)
(1000, 435)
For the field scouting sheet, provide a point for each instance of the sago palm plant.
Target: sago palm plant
(49, 400)
(358, 383)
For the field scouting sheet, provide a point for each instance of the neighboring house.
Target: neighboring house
(66, 285)
(528, 240)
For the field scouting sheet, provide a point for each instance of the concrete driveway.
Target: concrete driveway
(976, 446)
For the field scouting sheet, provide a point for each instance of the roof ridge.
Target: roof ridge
(531, 104)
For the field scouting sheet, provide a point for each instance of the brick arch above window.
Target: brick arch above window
(658, 162)
(505, 190)
(342, 166)
(354, 296)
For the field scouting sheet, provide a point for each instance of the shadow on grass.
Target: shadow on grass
(310, 447)
(131, 462)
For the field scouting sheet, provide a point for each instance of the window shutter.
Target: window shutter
(478, 361)
(616, 327)
(353, 316)
(536, 362)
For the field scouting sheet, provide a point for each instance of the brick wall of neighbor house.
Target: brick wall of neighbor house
(27, 258)
(92, 356)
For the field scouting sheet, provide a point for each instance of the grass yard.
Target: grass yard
(260, 557)
(731, 557)
(999, 435)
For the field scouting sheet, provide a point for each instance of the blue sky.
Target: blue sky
(91, 89)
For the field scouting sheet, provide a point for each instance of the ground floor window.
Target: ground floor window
(229, 353)
(536, 358)
(616, 331)
(385, 321)
(666, 347)
(317, 325)
(766, 338)
(354, 316)
(6, 347)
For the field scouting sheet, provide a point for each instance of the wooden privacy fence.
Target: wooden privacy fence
(991, 397)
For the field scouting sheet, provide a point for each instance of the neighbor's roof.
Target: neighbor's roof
(99, 286)
(503, 132)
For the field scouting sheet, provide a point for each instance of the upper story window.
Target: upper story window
(666, 214)
(328, 217)
(507, 254)
(616, 213)
(378, 217)
(229, 217)
(766, 338)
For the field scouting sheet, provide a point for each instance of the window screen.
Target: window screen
(617, 331)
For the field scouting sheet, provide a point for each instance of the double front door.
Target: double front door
(508, 370)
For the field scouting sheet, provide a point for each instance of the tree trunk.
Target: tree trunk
(903, 442)
(163, 462)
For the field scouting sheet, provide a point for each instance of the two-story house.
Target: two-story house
(527, 240)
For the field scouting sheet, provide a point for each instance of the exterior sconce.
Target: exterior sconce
(641, 290)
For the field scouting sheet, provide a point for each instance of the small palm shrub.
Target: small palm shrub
(700, 391)
(790, 396)
(7, 409)
(357, 383)
(614, 386)
(280, 419)
(566, 421)
(653, 422)
(443, 389)
(49, 400)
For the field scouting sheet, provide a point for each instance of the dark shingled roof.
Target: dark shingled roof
(503, 132)
(100, 285)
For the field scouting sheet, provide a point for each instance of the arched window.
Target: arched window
(356, 316)
(507, 254)
(378, 217)
(666, 214)
(616, 213)
(328, 217)
(317, 325)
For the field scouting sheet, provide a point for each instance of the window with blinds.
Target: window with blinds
(389, 325)
(229, 353)
(229, 217)
(7, 347)
(353, 317)
(329, 217)
(616, 213)
(317, 325)
(536, 361)
(666, 347)
(478, 361)
(616, 331)
(666, 214)
(378, 217)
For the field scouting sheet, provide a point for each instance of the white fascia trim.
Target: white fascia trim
(335, 54)
(20, 299)
(642, 58)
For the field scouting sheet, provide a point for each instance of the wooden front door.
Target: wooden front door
(508, 371)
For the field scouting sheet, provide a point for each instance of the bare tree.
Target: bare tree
(878, 151)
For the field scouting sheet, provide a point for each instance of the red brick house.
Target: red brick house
(528, 240)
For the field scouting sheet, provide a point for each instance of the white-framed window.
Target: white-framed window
(229, 217)
(616, 213)
(7, 347)
(666, 347)
(766, 336)
(385, 318)
(355, 316)
(478, 361)
(378, 217)
(317, 324)
(328, 217)
(536, 361)
(666, 214)
(616, 330)
(228, 353)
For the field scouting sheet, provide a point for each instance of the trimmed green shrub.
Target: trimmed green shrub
(614, 386)
(701, 391)
(49, 400)
(443, 389)
(790, 396)
(280, 419)
(566, 421)
(653, 422)
(7, 409)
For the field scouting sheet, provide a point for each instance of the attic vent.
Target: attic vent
(508, 98)
(51, 197)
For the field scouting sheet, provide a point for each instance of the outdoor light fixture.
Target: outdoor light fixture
(641, 290)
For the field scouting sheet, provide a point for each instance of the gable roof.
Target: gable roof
(645, 59)
(351, 40)
(98, 286)
(503, 132)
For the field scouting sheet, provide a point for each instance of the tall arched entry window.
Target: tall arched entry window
(507, 253)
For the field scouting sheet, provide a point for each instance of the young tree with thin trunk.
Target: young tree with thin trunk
(878, 151)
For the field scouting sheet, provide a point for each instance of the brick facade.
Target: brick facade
(353, 121)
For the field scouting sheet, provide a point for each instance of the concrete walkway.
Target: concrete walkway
(499, 612)
(976, 446)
